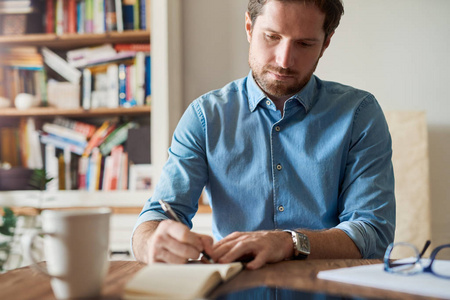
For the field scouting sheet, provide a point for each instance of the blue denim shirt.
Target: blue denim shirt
(325, 163)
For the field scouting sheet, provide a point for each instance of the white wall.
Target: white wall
(398, 50)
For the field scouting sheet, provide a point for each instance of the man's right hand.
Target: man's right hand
(168, 241)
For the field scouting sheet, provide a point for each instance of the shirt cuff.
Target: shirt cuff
(362, 235)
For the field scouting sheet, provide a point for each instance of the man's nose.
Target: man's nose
(285, 55)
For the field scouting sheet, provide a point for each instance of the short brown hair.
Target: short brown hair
(333, 10)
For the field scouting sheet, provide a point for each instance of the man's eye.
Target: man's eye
(271, 37)
(303, 44)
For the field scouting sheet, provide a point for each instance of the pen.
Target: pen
(173, 216)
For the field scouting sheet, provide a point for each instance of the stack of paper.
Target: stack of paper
(424, 284)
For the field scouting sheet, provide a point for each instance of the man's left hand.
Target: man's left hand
(260, 247)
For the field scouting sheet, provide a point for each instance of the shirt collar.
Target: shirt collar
(305, 97)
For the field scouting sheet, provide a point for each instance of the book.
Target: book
(99, 16)
(87, 89)
(89, 16)
(122, 84)
(133, 47)
(112, 73)
(128, 14)
(83, 165)
(99, 136)
(50, 16)
(117, 137)
(63, 143)
(80, 57)
(71, 16)
(61, 66)
(116, 157)
(59, 17)
(110, 15)
(119, 15)
(143, 14)
(139, 82)
(64, 132)
(94, 167)
(81, 13)
(84, 128)
(172, 281)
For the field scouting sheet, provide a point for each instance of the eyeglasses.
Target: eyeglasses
(404, 258)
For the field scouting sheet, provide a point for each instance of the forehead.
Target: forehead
(291, 18)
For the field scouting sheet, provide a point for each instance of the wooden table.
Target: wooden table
(26, 283)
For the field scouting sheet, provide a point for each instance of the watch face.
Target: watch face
(303, 243)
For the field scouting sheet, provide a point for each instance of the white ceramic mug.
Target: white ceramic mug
(76, 246)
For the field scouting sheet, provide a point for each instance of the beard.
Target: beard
(278, 88)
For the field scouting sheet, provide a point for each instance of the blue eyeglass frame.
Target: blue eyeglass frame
(388, 264)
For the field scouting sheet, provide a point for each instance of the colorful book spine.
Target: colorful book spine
(143, 14)
(136, 15)
(110, 15)
(89, 16)
(144, 47)
(50, 16)
(59, 17)
(84, 128)
(122, 84)
(119, 15)
(128, 15)
(64, 132)
(112, 72)
(81, 16)
(99, 16)
(71, 16)
(87, 89)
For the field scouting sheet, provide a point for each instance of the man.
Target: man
(277, 150)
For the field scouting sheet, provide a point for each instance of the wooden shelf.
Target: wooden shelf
(70, 41)
(78, 112)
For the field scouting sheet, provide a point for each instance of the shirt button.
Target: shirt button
(268, 102)
(281, 208)
(277, 128)
(279, 167)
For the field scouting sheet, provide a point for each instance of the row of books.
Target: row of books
(107, 75)
(78, 155)
(92, 173)
(20, 146)
(95, 16)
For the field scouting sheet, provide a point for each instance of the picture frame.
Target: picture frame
(140, 177)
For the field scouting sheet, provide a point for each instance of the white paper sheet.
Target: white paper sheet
(424, 284)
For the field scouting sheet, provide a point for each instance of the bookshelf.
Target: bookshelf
(60, 43)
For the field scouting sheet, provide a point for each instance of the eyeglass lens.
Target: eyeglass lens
(442, 269)
(403, 259)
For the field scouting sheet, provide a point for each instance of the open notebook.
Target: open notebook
(171, 281)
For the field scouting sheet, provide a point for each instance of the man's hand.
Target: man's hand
(168, 241)
(260, 247)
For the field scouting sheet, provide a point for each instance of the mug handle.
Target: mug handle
(28, 246)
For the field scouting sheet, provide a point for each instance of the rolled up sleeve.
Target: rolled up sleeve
(367, 200)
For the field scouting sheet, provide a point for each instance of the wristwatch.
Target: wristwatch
(301, 244)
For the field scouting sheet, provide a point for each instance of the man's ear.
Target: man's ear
(248, 26)
(326, 44)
